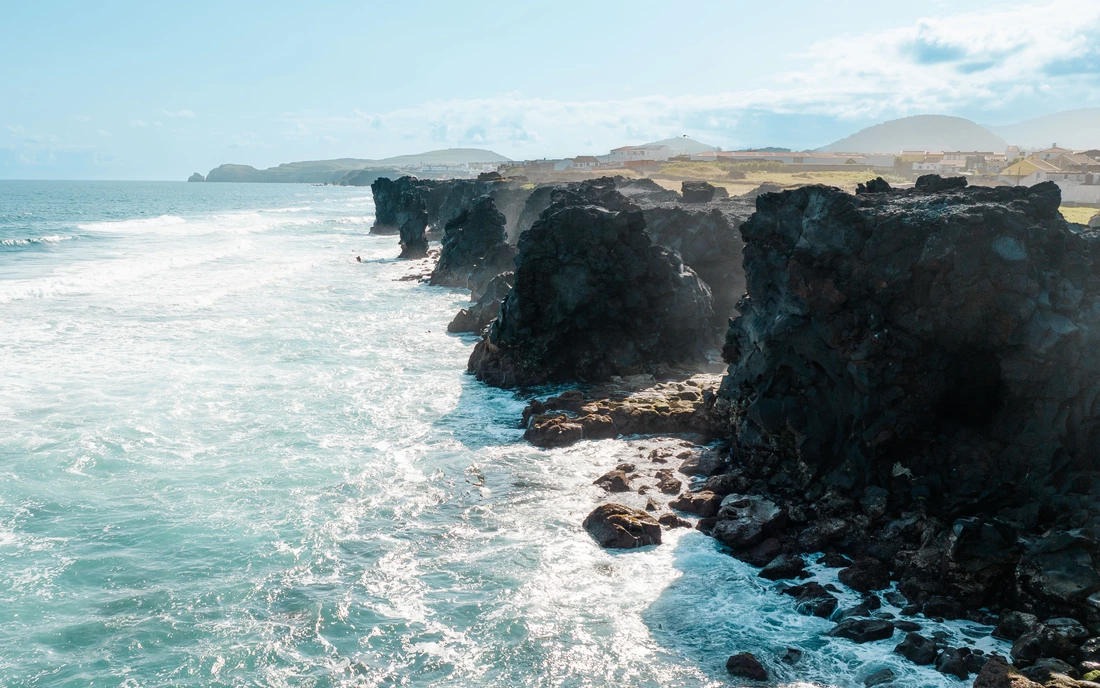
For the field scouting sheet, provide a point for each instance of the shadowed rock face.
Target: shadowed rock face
(910, 340)
(441, 201)
(706, 236)
(640, 191)
(593, 297)
(485, 310)
(474, 247)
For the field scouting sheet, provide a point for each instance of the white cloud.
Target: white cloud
(80, 118)
(138, 123)
(104, 133)
(178, 113)
(993, 63)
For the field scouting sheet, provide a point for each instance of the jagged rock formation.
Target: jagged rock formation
(702, 192)
(474, 247)
(593, 297)
(915, 381)
(707, 238)
(367, 177)
(485, 310)
(196, 177)
(440, 200)
(641, 191)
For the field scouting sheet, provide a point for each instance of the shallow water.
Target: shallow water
(232, 455)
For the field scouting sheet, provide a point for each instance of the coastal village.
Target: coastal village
(1076, 172)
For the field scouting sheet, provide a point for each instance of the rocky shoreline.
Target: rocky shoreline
(909, 397)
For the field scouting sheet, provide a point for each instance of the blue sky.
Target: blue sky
(129, 90)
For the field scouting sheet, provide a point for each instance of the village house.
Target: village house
(585, 162)
(1076, 174)
(639, 154)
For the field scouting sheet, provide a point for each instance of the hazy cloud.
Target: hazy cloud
(178, 113)
(80, 118)
(138, 123)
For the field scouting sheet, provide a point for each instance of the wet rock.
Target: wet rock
(953, 661)
(1044, 669)
(613, 481)
(881, 677)
(615, 526)
(474, 247)
(834, 560)
(622, 408)
(1060, 569)
(701, 192)
(791, 655)
(704, 504)
(744, 521)
(812, 599)
(1040, 642)
(895, 598)
(863, 630)
(745, 665)
(784, 566)
(997, 673)
(652, 505)
(943, 608)
(1013, 624)
(1070, 629)
(917, 649)
(823, 533)
(667, 484)
(865, 575)
(593, 298)
(705, 463)
(673, 521)
(907, 626)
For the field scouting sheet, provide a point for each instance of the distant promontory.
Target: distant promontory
(334, 171)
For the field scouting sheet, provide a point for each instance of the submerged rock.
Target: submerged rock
(593, 298)
(863, 630)
(746, 665)
(615, 526)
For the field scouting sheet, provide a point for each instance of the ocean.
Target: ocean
(233, 455)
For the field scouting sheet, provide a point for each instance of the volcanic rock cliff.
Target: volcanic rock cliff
(593, 297)
(474, 248)
(914, 379)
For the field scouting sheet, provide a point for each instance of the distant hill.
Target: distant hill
(1077, 129)
(332, 171)
(922, 132)
(682, 145)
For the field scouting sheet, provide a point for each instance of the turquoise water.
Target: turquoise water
(234, 456)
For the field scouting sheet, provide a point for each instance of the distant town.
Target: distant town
(1076, 172)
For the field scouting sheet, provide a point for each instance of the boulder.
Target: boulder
(615, 526)
(613, 481)
(1041, 642)
(954, 662)
(784, 566)
(812, 599)
(196, 177)
(865, 575)
(703, 504)
(1094, 221)
(744, 521)
(876, 185)
(997, 673)
(1011, 625)
(863, 630)
(593, 298)
(917, 649)
(474, 249)
(933, 183)
(701, 192)
(746, 665)
(673, 521)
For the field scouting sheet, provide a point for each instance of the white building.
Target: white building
(639, 154)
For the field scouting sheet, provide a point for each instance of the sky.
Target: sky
(141, 90)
